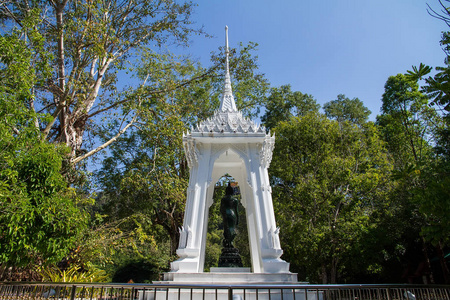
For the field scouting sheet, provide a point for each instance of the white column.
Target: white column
(193, 232)
(267, 232)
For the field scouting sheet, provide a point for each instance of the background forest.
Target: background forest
(357, 201)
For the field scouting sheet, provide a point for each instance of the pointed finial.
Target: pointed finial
(227, 104)
(226, 40)
(227, 51)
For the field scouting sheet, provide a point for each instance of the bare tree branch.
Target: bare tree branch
(92, 152)
(158, 91)
(443, 15)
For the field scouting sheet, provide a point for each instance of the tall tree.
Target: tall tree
(408, 123)
(86, 43)
(433, 188)
(345, 109)
(329, 183)
(410, 126)
(41, 217)
(282, 103)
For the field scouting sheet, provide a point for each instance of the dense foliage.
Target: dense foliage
(330, 185)
(41, 216)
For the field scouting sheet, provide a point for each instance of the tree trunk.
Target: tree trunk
(324, 274)
(444, 267)
(60, 96)
(425, 253)
(72, 130)
(333, 271)
(174, 238)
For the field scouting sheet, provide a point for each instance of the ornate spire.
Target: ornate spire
(227, 104)
(227, 120)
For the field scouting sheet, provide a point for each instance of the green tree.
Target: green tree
(41, 217)
(330, 183)
(418, 127)
(345, 109)
(282, 104)
(432, 194)
(407, 122)
(411, 127)
(86, 44)
(436, 205)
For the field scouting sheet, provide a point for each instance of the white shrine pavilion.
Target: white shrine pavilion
(228, 143)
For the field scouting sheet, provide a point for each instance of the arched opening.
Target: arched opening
(215, 228)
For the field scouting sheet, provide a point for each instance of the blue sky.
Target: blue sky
(328, 47)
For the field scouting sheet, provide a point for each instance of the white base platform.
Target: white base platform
(224, 294)
(229, 276)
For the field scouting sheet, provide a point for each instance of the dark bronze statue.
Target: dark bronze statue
(230, 216)
(229, 209)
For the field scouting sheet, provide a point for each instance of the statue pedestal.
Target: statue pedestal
(230, 258)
